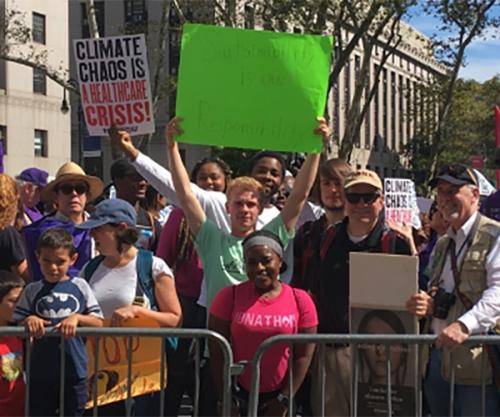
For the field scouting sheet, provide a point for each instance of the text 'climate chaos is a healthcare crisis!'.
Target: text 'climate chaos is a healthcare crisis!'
(113, 75)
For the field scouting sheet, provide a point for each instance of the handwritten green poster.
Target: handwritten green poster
(252, 89)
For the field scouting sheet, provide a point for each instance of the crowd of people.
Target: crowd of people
(247, 257)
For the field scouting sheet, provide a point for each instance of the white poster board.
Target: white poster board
(380, 285)
(113, 75)
(400, 201)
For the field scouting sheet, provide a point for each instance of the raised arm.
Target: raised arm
(213, 202)
(304, 181)
(195, 216)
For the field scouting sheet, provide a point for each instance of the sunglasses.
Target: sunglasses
(355, 198)
(67, 189)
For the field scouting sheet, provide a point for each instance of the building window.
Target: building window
(135, 12)
(249, 16)
(336, 110)
(99, 15)
(3, 138)
(38, 31)
(393, 110)
(39, 81)
(409, 116)
(376, 113)
(368, 111)
(385, 99)
(401, 112)
(357, 70)
(347, 89)
(41, 143)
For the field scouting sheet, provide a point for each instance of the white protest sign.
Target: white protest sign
(113, 75)
(400, 201)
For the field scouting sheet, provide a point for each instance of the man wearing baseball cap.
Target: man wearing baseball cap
(463, 298)
(30, 183)
(362, 230)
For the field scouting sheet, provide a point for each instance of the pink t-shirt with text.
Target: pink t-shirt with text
(255, 319)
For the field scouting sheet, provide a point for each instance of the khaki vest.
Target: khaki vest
(467, 360)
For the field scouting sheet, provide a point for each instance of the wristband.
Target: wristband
(283, 400)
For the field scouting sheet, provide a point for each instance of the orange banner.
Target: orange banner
(113, 366)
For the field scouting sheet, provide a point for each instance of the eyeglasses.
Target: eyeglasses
(67, 189)
(355, 198)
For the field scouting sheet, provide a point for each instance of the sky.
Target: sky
(482, 55)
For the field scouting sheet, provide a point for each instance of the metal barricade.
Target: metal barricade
(129, 333)
(322, 340)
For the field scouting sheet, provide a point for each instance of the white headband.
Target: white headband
(263, 240)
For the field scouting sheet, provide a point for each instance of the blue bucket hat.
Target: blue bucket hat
(112, 211)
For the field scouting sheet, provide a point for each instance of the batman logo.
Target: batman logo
(57, 305)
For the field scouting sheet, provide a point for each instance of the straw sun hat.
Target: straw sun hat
(72, 172)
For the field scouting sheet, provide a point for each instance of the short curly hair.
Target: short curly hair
(8, 201)
(247, 184)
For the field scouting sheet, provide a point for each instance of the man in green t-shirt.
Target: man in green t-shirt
(222, 254)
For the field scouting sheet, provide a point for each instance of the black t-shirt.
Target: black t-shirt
(329, 284)
(11, 248)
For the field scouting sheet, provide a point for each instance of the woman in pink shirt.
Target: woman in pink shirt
(249, 313)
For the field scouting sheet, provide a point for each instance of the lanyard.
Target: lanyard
(454, 266)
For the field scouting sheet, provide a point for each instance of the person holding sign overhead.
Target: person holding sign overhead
(221, 253)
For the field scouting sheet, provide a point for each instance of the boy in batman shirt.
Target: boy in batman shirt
(63, 302)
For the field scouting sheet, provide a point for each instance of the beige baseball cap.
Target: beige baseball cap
(364, 176)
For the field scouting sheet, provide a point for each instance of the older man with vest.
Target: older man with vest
(463, 298)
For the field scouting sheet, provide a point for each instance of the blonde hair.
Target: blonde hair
(246, 184)
(8, 201)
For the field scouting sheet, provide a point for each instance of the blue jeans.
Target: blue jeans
(467, 398)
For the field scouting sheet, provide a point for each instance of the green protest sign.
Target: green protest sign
(252, 89)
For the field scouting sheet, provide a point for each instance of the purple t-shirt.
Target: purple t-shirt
(491, 206)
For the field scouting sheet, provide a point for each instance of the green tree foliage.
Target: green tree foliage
(461, 22)
(470, 131)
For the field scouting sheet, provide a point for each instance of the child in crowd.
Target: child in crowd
(11, 350)
(63, 302)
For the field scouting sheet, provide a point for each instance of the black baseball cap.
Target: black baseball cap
(456, 174)
(122, 168)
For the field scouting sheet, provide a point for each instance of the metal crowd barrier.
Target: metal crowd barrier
(196, 334)
(321, 340)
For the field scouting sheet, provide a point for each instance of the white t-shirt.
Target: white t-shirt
(116, 287)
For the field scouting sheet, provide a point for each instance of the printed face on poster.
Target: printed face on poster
(252, 89)
(113, 75)
(380, 285)
(400, 202)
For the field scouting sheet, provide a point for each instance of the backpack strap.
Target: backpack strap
(91, 266)
(145, 275)
(326, 240)
(146, 282)
(388, 241)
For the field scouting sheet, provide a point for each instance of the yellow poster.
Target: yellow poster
(113, 366)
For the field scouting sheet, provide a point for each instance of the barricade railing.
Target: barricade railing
(197, 335)
(322, 340)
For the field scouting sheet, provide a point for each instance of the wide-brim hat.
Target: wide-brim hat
(72, 172)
